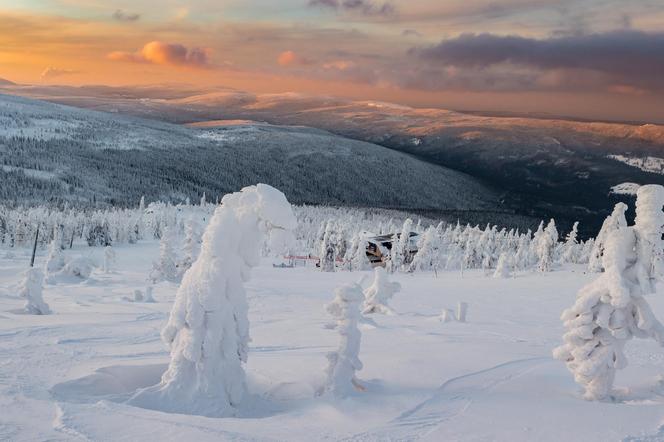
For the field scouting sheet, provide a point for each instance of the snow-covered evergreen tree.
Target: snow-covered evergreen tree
(545, 247)
(208, 328)
(165, 268)
(503, 269)
(379, 293)
(343, 363)
(328, 255)
(611, 223)
(570, 250)
(192, 244)
(427, 257)
(31, 289)
(56, 259)
(612, 309)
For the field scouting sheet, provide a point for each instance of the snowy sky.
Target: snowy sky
(553, 56)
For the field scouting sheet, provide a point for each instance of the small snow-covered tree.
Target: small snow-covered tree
(545, 247)
(165, 268)
(109, 259)
(359, 260)
(612, 309)
(343, 363)
(428, 254)
(503, 267)
(31, 289)
(379, 293)
(192, 244)
(403, 246)
(328, 254)
(570, 249)
(56, 259)
(611, 223)
(208, 328)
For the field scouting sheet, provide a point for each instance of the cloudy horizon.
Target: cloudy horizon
(597, 59)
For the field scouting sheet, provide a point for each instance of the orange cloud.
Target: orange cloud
(290, 58)
(51, 72)
(157, 52)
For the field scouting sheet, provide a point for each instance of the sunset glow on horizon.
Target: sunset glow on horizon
(599, 59)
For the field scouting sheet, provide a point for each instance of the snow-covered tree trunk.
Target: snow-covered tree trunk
(612, 309)
(379, 293)
(343, 363)
(208, 328)
(31, 289)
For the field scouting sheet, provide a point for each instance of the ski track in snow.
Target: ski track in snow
(451, 399)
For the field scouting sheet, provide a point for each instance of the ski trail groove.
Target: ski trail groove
(449, 400)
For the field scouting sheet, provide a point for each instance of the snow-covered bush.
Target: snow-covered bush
(208, 328)
(31, 289)
(612, 309)
(379, 293)
(79, 267)
(343, 363)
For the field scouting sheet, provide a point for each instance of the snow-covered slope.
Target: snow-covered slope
(544, 167)
(51, 152)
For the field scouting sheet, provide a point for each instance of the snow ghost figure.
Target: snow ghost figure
(343, 363)
(378, 294)
(31, 290)
(612, 309)
(208, 328)
(109, 259)
(56, 259)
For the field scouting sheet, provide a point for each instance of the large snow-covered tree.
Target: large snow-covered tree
(208, 328)
(612, 309)
(165, 268)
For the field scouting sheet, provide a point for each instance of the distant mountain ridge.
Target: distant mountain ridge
(54, 153)
(542, 167)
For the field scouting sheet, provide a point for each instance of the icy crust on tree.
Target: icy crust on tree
(31, 289)
(379, 293)
(343, 363)
(612, 309)
(208, 328)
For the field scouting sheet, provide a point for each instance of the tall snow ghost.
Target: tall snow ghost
(56, 259)
(109, 259)
(31, 289)
(546, 244)
(208, 329)
(343, 363)
(612, 309)
(378, 294)
(191, 246)
(613, 222)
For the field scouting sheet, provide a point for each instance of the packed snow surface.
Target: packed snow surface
(68, 375)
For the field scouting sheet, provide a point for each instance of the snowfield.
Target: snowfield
(66, 376)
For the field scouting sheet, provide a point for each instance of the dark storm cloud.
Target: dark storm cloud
(626, 57)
